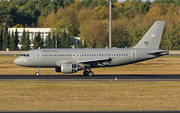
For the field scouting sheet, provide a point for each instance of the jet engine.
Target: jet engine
(69, 68)
(58, 69)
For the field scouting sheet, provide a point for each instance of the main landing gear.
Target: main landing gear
(88, 73)
(37, 73)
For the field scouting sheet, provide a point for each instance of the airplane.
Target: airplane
(73, 60)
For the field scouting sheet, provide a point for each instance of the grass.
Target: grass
(163, 65)
(92, 96)
(88, 96)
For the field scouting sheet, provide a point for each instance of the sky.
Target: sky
(142, 0)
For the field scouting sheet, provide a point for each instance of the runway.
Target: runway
(93, 78)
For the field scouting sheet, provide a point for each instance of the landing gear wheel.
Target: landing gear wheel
(36, 73)
(85, 73)
(90, 73)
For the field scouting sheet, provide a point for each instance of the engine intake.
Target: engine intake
(58, 69)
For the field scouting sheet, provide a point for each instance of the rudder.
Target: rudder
(152, 38)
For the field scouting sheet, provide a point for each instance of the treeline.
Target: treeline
(89, 20)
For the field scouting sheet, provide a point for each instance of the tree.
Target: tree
(49, 43)
(23, 38)
(95, 33)
(1, 39)
(16, 39)
(64, 40)
(5, 16)
(6, 38)
(27, 42)
(38, 41)
(68, 2)
(100, 12)
(12, 45)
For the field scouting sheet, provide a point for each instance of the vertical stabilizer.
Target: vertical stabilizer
(152, 38)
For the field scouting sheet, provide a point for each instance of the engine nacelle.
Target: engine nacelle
(58, 69)
(69, 68)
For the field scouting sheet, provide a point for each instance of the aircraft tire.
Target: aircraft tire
(36, 74)
(90, 73)
(85, 73)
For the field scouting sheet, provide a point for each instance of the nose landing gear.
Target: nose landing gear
(37, 73)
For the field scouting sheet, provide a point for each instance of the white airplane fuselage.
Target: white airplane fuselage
(56, 57)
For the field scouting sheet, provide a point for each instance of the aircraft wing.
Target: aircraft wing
(95, 60)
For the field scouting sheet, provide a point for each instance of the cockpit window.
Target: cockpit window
(25, 55)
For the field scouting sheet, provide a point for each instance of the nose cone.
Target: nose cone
(16, 61)
(19, 61)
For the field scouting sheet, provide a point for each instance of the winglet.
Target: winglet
(152, 38)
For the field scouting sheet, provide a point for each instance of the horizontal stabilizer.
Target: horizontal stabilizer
(159, 52)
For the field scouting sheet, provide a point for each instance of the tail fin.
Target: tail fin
(152, 38)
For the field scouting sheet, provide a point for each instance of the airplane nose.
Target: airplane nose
(16, 61)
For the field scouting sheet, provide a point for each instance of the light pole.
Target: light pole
(110, 23)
